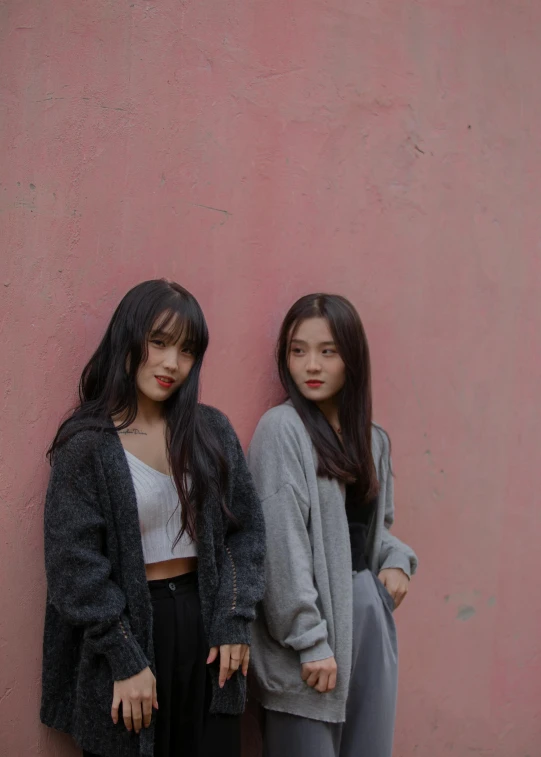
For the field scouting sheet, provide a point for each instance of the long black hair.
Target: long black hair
(350, 462)
(108, 389)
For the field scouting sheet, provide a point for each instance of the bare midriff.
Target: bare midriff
(157, 571)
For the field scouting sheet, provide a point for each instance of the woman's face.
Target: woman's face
(314, 363)
(167, 366)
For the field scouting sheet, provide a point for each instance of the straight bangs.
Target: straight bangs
(182, 323)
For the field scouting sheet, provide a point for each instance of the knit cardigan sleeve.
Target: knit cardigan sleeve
(241, 584)
(79, 581)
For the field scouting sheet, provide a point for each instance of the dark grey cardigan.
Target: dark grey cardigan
(98, 623)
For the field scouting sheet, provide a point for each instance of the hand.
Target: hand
(320, 675)
(138, 696)
(396, 582)
(232, 657)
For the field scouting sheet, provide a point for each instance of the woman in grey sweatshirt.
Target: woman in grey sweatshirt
(324, 644)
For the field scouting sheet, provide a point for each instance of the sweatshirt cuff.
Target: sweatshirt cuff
(320, 651)
(397, 559)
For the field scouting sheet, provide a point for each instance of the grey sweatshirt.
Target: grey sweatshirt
(306, 613)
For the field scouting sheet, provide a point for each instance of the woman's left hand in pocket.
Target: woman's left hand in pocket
(396, 582)
(232, 658)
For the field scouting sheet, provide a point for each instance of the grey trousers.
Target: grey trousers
(371, 705)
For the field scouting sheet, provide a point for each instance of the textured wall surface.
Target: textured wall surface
(257, 151)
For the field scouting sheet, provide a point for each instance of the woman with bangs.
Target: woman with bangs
(154, 547)
(324, 645)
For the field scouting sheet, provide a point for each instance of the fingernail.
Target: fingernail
(245, 673)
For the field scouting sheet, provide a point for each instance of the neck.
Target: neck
(149, 412)
(329, 408)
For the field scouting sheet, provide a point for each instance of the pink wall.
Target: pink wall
(256, 151)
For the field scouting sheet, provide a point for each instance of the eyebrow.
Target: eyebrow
(321, 344)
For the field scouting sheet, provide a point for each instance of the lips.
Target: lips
(164, 381)
(314, 384)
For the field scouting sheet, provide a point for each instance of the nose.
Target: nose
(313, 365)
(170, 359)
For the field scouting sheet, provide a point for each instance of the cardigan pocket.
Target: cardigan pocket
(385, 595)
(95, 682)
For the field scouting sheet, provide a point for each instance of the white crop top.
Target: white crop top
(159, 513)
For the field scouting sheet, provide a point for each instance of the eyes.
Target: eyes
(326, 352)
(160, 344)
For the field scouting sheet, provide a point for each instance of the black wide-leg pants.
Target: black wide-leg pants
(184, 727)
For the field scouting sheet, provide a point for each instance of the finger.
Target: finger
(126, 714)
(235, 659)
(213, 654)
(147, 711)
(246, 661)
(114, 708)
(154, 695)
(137, 716)
(323, 680)
(399, 590)
(332, 681)
(224, 665)
(305, 673)
(313, 678)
